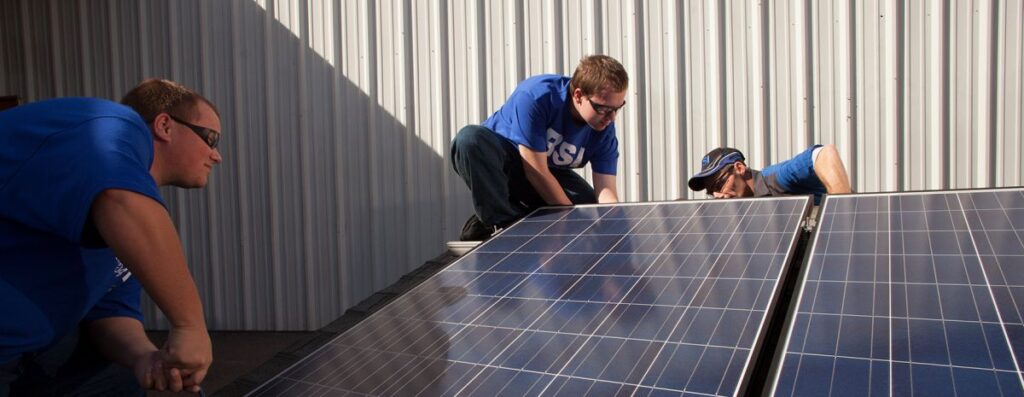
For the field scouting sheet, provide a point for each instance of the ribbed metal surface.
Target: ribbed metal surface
(338, 114)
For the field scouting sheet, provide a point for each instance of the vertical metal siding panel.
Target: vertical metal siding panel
(38, 61)
(390, 155)
(340, 279)
(454, 197)
(692, 84)
(874, 113)
(579, 18)
(656, 106)
(426, 167)
(539, 38)
(959, 79)
(354, 84)
(983, 90)
(624, 23)
(318, 101)
(759, 87)
(65, 28)
(259, 120)
(733, 79)
(12, 74)
(782, 125)
(464, 82)
(500, 52)
(960, 117)
(778, 106)
(1009, 99)
(211, 265)
(702, 113)
(245, 306)
(876, 137)
(742, 87)
(831, 76)
(380, 136)
(888, 137)
(274, 97)
(926, 125)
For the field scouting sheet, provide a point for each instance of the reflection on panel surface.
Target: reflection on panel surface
(655, 299)
(911, 294)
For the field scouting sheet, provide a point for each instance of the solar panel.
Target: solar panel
(646, 299)
(911, 294)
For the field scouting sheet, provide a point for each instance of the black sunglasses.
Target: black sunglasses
(604, 109)
(720, 179)
(209, 136)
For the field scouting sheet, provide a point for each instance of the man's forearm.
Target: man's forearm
(548, 188)
(831, 171)
(141, 234)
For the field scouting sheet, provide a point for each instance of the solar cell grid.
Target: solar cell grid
(904, 295)
(593, 300)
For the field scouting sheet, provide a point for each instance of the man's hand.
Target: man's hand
(188, 351)
(123, 341)
(604, 186)
(152, 375)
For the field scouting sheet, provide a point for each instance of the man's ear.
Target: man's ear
(577, 96)
(161, 127)
(740, 167)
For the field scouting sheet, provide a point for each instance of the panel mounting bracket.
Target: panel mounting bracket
(809, 223)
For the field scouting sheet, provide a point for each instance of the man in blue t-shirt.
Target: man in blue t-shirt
(521, 158)
(83, 229)
(817, 170)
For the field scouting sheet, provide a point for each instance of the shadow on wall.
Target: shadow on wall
(327, 191)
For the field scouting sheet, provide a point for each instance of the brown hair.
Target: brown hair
(155, 96)
(599, 72)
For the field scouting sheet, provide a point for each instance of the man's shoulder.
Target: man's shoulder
(82, 105)
(545, 85)
(58, 114)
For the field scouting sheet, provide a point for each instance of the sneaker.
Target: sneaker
(475, 230)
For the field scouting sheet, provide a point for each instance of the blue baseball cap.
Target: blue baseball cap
(713, 162)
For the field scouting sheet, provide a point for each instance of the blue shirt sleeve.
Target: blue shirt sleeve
(796, 175)
(124, 300)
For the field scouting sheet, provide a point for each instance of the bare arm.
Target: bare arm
(141, 234)
(123, 341)
(831, 171)
(604, 186)
(535, 164)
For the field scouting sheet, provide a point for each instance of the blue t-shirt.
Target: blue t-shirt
(537, 115)
(55, 270)
(790, 177)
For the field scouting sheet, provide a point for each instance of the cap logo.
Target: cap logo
(705, 161)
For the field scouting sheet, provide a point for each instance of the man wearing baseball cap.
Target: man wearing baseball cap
(817, 170)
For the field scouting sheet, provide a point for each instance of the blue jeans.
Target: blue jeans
(493, 170)
(72, 367)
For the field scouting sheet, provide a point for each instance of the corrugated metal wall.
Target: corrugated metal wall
(338, 114)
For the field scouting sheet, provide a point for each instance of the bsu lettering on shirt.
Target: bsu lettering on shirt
(563, 153)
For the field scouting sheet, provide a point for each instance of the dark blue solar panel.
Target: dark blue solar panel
(651, 299)
(911, 294)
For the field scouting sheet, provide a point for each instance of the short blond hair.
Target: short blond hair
(599, 72)
(155, 96)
